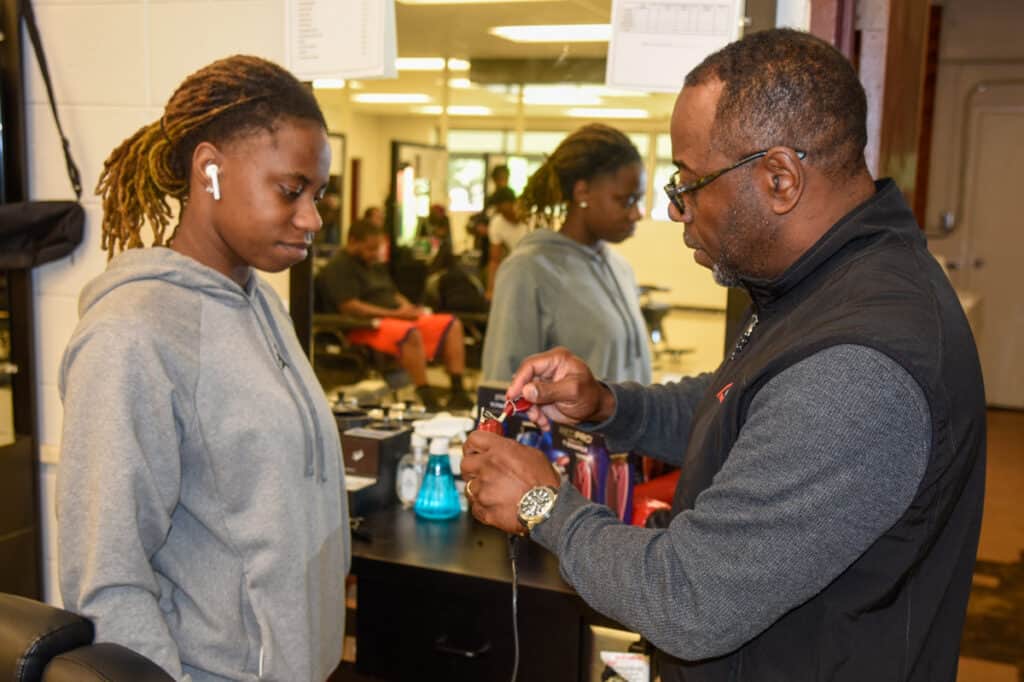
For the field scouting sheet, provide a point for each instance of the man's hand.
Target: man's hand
(562, 389)
(498, 471)
(407, 311)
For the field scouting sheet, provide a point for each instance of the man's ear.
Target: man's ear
(784, 179)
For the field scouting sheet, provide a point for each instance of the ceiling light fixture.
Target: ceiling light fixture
(328, 84)
(554, 33)
(460, 83)
(606, 112)
(561, 95)
(391, 98)
(456, 110)
(430, 64)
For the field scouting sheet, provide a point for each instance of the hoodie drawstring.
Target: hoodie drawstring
(621, 305)
(313, 443)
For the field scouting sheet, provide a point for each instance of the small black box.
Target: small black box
(371, 455)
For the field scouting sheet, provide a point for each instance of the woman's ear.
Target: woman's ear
(201, 176)
(581, 193)
(785, 179)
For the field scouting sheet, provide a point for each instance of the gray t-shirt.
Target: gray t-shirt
(346, 277)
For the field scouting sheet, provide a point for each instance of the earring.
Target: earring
(583, 204)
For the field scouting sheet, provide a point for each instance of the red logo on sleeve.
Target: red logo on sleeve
(724, 392)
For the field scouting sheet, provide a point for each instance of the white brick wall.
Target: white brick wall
(113, 64)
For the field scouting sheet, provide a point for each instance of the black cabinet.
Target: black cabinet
(19, 528)
(435, 603)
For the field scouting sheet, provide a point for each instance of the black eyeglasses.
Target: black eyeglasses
(675, 191)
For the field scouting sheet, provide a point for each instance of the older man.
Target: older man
(827, 518)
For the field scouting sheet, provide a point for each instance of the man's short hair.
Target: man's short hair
(361, 230)
(786, 87)
(499, 170)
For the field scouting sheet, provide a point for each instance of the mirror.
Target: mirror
(466, 100)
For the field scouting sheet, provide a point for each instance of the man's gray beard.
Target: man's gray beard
(725, 276)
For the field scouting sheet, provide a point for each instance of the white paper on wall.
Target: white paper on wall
(655, 43)
(340, 38)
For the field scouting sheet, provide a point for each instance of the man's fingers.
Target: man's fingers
(541, 365)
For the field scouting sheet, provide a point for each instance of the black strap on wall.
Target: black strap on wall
(28, 15)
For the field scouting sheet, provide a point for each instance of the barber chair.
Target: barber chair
(461, 294)
(41, 643)
(654, 313)
(338, 362)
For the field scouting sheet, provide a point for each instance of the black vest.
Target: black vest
(897, 612)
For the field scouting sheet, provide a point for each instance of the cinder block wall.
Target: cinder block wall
(114, 65)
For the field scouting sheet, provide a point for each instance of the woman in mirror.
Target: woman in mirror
(201, 503)
(565, 287)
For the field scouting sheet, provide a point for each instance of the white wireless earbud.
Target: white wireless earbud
(211, 172)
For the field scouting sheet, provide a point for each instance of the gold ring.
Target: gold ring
(469, 488)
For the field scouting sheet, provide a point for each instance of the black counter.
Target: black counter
(435, 602)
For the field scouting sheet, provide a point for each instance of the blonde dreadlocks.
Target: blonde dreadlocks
(590, 151)
(224, 100)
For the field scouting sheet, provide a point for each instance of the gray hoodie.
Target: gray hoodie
(553, 291)
(200, 503)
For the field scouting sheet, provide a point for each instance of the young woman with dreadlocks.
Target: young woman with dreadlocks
(566, 287)
(201, 506)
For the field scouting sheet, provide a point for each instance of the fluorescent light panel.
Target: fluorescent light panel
(554, 33)
(328, 84)
(391, 98)
(456, 110)
(606, 112)
(430, 64)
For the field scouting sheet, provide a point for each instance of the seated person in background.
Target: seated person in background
(374, 214)
(505, 230)
(438, 229)
(356, 282)
(566, 287)
(477, 227)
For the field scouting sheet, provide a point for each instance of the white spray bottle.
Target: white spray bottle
(438, 497)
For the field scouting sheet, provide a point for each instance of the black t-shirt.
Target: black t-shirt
(346, 277)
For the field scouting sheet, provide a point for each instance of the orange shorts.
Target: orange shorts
(392, 332)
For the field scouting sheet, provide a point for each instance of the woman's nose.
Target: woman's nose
(307, 217)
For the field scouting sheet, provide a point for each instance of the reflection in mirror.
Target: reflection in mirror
(477, 100)
(7, 368)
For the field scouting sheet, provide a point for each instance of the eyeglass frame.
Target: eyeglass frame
(675, 191)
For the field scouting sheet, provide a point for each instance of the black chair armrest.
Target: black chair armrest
(104, 661)
(33, 633)
(344, 323)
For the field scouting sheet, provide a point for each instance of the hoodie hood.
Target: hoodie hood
(255, 301)
(165, 265)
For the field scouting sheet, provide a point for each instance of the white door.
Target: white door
(991, 258)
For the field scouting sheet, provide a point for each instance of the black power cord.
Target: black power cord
(513, 554)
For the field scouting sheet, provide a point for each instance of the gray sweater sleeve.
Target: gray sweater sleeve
(117, 485)
(654, 420)
(830, 456)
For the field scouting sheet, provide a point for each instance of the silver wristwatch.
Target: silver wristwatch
(536, 504)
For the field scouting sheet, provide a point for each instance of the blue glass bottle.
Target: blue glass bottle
(438, 498)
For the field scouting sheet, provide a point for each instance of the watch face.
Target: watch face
(536, 502)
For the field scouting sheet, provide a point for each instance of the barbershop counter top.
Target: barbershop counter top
(462, 546)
